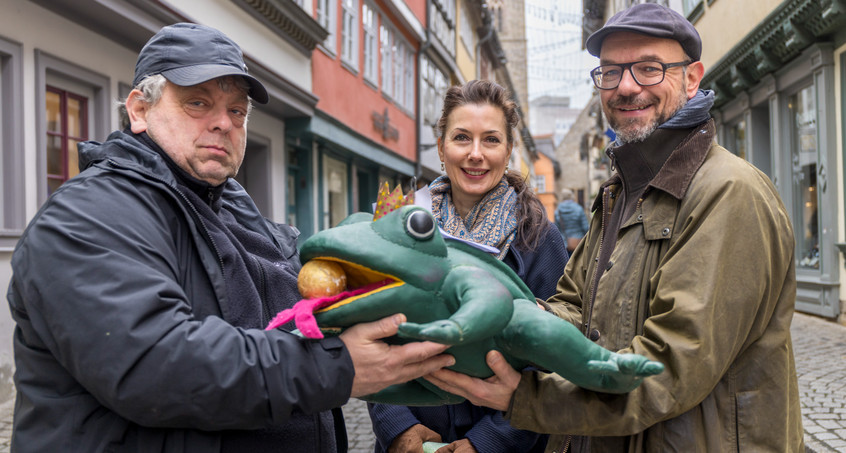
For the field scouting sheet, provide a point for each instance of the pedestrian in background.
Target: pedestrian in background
(142, 286)
(571, 220)
(662, 273)
(481, 201)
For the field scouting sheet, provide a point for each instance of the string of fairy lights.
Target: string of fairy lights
(557, 65)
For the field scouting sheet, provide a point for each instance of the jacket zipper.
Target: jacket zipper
(566, 446)
(606, 197)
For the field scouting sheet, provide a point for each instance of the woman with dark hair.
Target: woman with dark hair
(481, 201)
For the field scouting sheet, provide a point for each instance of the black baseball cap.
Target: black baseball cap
(653, 20)
(190, 54)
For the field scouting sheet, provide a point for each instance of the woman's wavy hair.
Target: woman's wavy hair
(531, 216)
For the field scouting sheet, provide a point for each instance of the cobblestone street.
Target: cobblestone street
(820, 348)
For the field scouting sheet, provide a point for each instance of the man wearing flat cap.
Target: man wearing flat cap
(689, 260)
(142, 287)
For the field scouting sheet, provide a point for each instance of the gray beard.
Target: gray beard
(635, 134)
(627, 133)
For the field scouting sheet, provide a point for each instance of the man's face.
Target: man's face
(203, 128)
(635, 111)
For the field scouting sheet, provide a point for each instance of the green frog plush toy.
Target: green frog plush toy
(451, 293)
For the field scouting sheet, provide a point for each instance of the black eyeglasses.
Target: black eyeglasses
(644, 73)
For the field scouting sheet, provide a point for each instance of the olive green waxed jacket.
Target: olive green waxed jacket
(702, 279)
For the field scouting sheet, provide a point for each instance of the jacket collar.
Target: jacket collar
(675, 175)
(140, 152)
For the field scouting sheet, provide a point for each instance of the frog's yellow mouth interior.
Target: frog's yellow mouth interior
(361, 282)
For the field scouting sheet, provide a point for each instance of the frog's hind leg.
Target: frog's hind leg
(553, 344)
(418, 392)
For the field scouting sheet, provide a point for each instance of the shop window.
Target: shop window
(335, 191)
(803, 122)
(67, 125)
(737, 140)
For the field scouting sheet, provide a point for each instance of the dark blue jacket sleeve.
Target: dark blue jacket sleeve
(389, 421)
(494, 434)
(541, 268)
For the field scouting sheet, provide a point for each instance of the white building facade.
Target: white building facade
(65, 63)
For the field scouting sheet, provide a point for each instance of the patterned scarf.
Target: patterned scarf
(492, 221)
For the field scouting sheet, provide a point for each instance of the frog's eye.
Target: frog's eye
(420, 225)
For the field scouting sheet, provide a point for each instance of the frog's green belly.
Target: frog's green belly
(470, 358)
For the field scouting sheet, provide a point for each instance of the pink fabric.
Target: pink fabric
(303, 311)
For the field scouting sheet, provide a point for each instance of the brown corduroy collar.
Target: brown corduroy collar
(675, 175)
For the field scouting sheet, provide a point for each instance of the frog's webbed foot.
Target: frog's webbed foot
(622, 373)
(443, 331)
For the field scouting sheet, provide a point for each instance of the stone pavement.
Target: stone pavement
(6, 410)
(820, 349)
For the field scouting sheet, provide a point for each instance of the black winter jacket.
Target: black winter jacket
(120, 345)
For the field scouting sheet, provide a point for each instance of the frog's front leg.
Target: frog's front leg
(556, 345)
(480, 304)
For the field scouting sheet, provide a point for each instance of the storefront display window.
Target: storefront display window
(803, 120)
(335, 191)
(738, 139)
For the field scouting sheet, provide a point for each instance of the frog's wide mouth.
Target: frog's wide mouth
(362, 282)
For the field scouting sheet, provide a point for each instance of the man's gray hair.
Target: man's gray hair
(152, 87)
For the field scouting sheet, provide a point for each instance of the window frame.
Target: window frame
(386, 56)
(325, 13)
(64, 134)
(434, 88)
(12, 169)
(397, 55)
(408, 75)
(467, 33)
(804, 264)
(99, 104)
(349, 33)
(370, 38)
(442, 14)
(693, 9)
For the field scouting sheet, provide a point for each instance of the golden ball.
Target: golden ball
(321, 278)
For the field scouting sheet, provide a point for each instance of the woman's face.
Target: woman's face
(474, 152)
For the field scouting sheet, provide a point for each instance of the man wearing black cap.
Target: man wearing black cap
(689, 261)
(142, 286)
